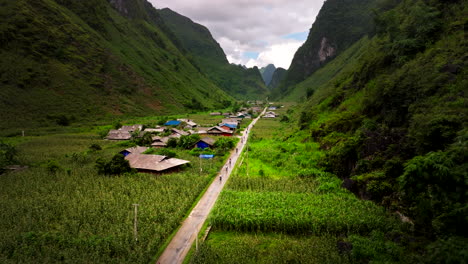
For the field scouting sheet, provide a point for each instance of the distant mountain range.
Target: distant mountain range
(210, 59)
(267, 73)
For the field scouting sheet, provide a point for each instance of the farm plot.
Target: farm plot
(297, 213)
(280, 206)
(61, 210)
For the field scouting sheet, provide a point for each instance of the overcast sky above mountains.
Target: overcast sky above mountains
(252, 32)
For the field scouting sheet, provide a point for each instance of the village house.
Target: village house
(178, 133)
(229, 126)
(236, 121)
(159, 142)
(219, 131)
(155, 130)
(256, 109)
(202, 130)
(270, 115)
(189, 123)
(205, 142)
(154, 163)
(119, 135)
(173, 123)
(131, 128)
(215, 114)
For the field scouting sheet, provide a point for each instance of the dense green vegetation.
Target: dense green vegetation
(66, 61)
(279, 203)
(209, 58)
(389, 115)
(396, 123)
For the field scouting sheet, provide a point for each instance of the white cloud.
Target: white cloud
(251, 25)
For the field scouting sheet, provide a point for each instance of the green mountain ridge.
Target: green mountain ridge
(84, 60)
(391, 114)
(211, 60)
(278, 75)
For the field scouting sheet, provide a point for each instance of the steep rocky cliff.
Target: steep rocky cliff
(338, 25)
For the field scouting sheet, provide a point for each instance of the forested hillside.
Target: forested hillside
(69, 60)
(391, 115)
(210, 59)
(276, 78)
(339, 24)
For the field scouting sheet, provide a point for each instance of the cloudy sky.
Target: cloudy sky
(252, 32)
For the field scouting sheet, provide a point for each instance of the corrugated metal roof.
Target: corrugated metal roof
(119, 135)
(131, 128)
(230, 125)
(153, 162)
(180, 132)
(137, 150)
(172, 123)
(218, 130)
(208, 140)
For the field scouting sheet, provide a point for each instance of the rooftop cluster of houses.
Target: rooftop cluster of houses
(161, 135)
(270, 114)
(181, 127)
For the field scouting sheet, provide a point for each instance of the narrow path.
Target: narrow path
(184, 238)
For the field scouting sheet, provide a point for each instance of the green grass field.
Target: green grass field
(279, 205)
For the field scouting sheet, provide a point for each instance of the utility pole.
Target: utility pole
(135, 223)
(247, 158)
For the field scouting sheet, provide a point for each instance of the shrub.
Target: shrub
(95, 147)
(224, 143)
(187, 142)
(52, 166)
(117, 125)
(161, 151)
(145, 140)
(7, 155)
(433, 186)
(172, 143)
(198, 151)
(63, 120)
(116, 166)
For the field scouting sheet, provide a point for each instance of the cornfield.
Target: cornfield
(297, 213)
(74, 215)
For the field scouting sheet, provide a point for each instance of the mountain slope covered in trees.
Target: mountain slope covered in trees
(206, 53)
(64, 60)
(391, 114)
(276, 78)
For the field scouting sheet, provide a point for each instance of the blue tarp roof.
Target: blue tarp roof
(205, 156)
(229, 125)
(172, 123)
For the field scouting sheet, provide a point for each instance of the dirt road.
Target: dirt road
(184, 238)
